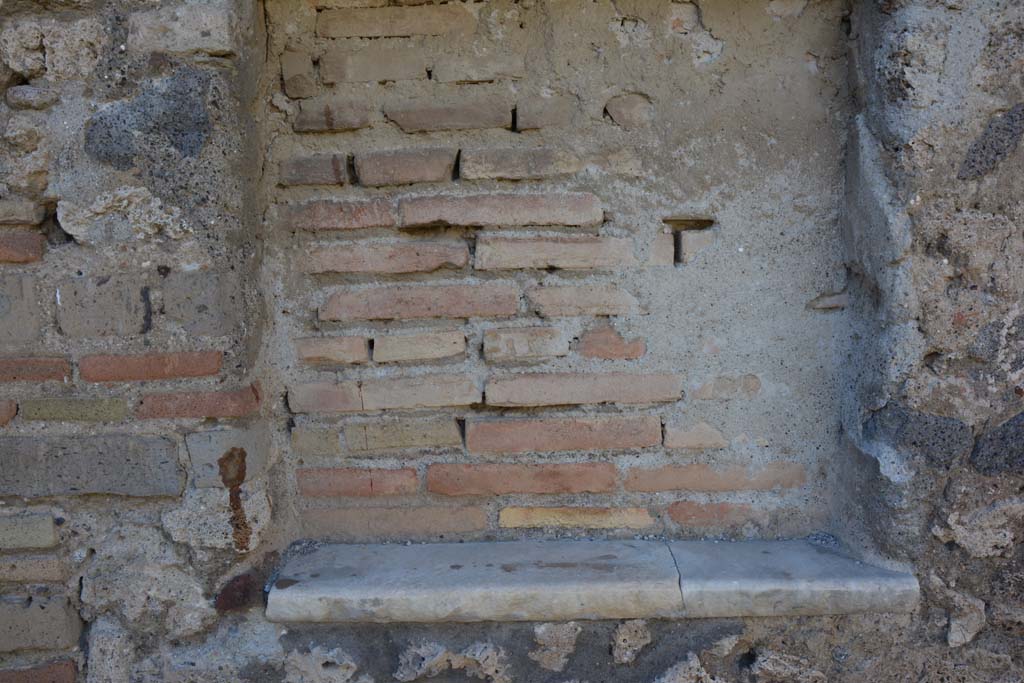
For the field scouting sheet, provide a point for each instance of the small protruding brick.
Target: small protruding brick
(200, 404)
(574, 517)
(562, 434)
(35, 369)
(701, 436)
(151, 366)
(552, 389)
(327, 214)
(428, 115)
(487, 300)
(703, 477)
(402, 257)
(479, 68)
(323, 115)
(566, 301)
(573, 209)
(398, 434)
(513, 163)
(333, 350)
(524, 344)
(544, 112)
(377, 523)
(606, 343)
(73, 409)
(567, 253)
(393, 22)
(329, 482)
(418, 347)
(319, 169)
(325, 397)
(411, 393)
(21, 246)
(297, 74)
(496, 480)
(373, 65)
(405, 166)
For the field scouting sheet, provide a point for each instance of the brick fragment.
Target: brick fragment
(8, 411)
(20, 312)
(325, 397)
(35, 568)
(335, 215)
(401, 257)
(726, 387)
(31, 97)
(569, 253)
(297, 74)
(39, 623)
(513, 163)
(377, 523)
(662, 250)
(25, 529)
(479, 68)
(373, 65)
(606, 343)
(64, 671)
(690, 242)
(567, 389)
(21, 246)
(35, 369)
(200, 404)
(333, 350)
(405, 166)
(151, 366)
(703, 477)
(572, 208)
(73, 409)
(524, 343)
(701, 436)
(495, 480)
(329, 482)
(310, 441)
(331, 115)
(691, 515)
(319, 169)
(567, 301)
(573, 517)
(631, 111)
(21, 212)
(430, 391)
(392, 435)
(428, 115)
(427, 346)
(562, 434)
(428, 20)
(544, 112)
(488, 300)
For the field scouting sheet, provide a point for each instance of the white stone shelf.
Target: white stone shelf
(563, 580)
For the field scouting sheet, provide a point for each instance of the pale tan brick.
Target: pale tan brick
(544, 112)
(701, 436)
(606, 343)
(405, 166)
(373, 65)
(417, 116)
(427, 20)
(42, 623)
(21, 212)
(430, 391)
(319, 169)
(416, 302)
(27, 529)
(479, 68)
(325, 397)
(398, 434)
(564, 301)
(703, 477)
(568, 253)
(297, 74)
(552, 389)
(716, 516)
(524, 343)
(333, 350)
(663, 249)
(402, 257)
(499, 479)
(570, 517)
(331, 115)
(427, 346)
(329, 482)
(693, 241)
(32, 569)
(340, 215)
(726, 387)
(562, 434)
(573, 208)
(382, 523)
(514, 163)
(312, 441)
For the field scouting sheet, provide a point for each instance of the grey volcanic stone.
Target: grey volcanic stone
(937, 440)
(1001, 451)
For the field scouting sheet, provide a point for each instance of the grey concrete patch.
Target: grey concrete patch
(205, 449)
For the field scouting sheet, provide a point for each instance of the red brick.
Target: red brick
(487, 300)
(569, 253)
(493, 480)
(405, 166)
(554, 389)
(21, 246)
(377, 523)
(513, 163)
(606, 343)
(562, 434)
(8, 410)
(709, 515)
(351, 481)
(384, 22)
(373, 65)
(331, 215)
(703, 477)
(567, 301)
(55, 672)
(544, 112)
(331, 115)
(572, 208)
(333, 350)
(428, 115)
(200, 404)
(34, 369)
(524, 343)
(429, 391)
(319, 169)
(700, 436)
(325, 397)
(403, 257)
(574, 517)
(151, 366)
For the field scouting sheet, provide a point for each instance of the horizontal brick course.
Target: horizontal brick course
(427, 346)
(575, 517)
(35, 369)
(428, 116)
(55, 672)
(426, 20)
(327, 214)
(200, 404)
(376, 523)
(318, 169)
(568, 389)
(405, 257)
(605, 342)
(331, 115)
(152, 366)
(356, 482)
(703, 477)
(405, 166)
(569, 253)
(524, 343)
(569, 301)
(397, 434)
(73, 409)
(485, 300)
(571, 208)
(513, 163)
(429, 391)
(21, 246)
(333, 350)
(492, 480)
(373, 65)
(562, 434)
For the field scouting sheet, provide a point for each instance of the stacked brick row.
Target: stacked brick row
(466, 369)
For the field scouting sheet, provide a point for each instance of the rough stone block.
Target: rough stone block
(405, 166)
(552, 389)
(514, 163)
(37, 623)
(373, 65)
(335, 215)
(562, 434)
(298, 74)
(319, 169)
(427, 20)
(499, 479)
(568, 301)
(392, 435)
(419, 347)
(703, 477)
(403, 257)
(333, 350)
(207, 28)
(203, 303)
(524, 344)
(364, 524)
(21, 529)
(486, 300)
(19, 311)
(73, 409)
(427, 115)
(567, 253)
(150, 366)
(207, 451)
(574, 518)
(35, 369)
(935, 439)
(331, 115)
(544, 112)
(329, 482)
(199, 404)
(113, 464)
(573, 209)
(31, 97)
(103, 307)
(1001, 450)
(430, 391)
(21, 246)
